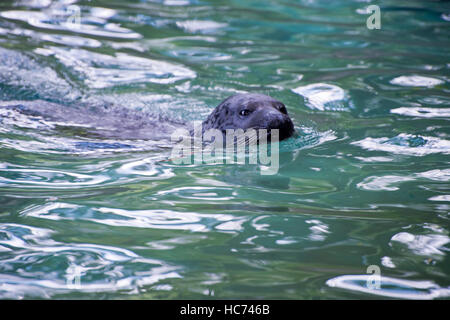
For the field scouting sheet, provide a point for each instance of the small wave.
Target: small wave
(145, 167)
(423, 112)
(390, 287)
(201, 193)
(101, 70)
(59, 18)
(62, 145)
(319, 230)
(151, 219)
(444, 197)
(177, 2)
(387, 262)
(324, 97)
(25, 74)
(307, 137)
(45, 178)
(426, 245)
(200, 26)
(408, 144)
(95, 268)
(391, 182)
(424, 240)
(72, 41)
(416, 81)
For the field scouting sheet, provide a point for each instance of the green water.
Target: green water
(365, 183)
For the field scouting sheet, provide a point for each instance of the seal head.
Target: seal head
(251, 111)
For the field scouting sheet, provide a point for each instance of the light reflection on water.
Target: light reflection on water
(97, 265)
(391, 287)
(364, 182)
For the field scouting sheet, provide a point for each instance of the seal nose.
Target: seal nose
(280, 121)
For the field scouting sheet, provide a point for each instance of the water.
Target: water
(365, 183)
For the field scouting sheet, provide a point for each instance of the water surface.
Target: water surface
(366, 183)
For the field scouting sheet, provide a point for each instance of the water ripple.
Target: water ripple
(101, 70)
(146, 167)
(322, 96)
(422, 244)
(416, 81)
(48, 178)
(423, 112)
(390, 182)
(364, 179)
(152, 219)
(200, 26)
(391, 287)
(318, 230)
(408, 144)
(61, 19)
(73, 41)
(51, 266)
(430, 242)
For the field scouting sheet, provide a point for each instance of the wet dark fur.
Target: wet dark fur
(119, 123)
(264, 112)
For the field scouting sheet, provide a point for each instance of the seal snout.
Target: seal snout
(280, 121)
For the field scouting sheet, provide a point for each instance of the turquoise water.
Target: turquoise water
(365, 183)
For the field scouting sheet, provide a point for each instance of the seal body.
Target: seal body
(250, 111)
(241, 111)
(100, 121)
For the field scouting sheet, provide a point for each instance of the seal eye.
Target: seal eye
(244, 112)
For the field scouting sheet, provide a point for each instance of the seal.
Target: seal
(240, 111)
(250, 111)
